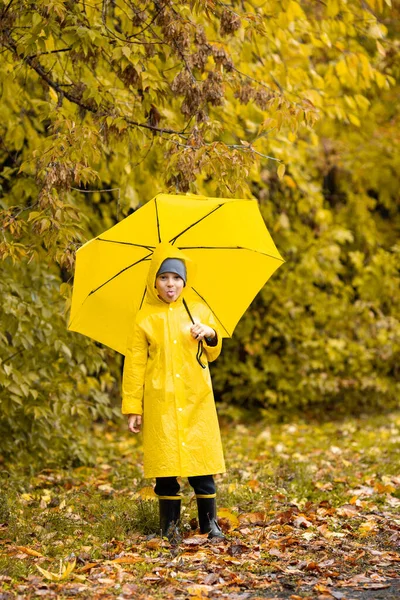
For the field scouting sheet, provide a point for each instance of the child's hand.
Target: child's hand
(134, 423)
(200, 331)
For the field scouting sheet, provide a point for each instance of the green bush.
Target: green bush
(324, 333)
(53, 384)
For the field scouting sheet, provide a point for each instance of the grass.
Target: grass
(286, 472)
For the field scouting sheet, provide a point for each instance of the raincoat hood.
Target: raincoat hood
(162, 252)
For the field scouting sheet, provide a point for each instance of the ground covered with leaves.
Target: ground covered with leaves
(309, 511)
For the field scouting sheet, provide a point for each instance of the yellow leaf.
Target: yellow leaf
(225, 513)
(319, 587)
(64, 573)
(367, 528)
(326, 40)
(147, 493)
(384, 489)
(281, 170)
(127, 560)
(87, 567)
(332, 8)
(67, 570)
(199, 591)
(29, 551)
(380, 48)
(53, 95)
(314, 97)
(26, 498)
(48, 574)
(380, 79)
(354, 120)
(294, 11)
(290, 182)
(269, 124)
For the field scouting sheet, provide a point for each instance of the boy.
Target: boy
(166, 379)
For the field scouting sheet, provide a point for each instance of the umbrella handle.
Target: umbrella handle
(187, 310)
(200, 344)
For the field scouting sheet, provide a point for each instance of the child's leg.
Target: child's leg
(169, 501)
(204, 487)
(167, 486)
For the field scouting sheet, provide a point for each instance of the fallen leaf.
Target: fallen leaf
(153, 544)
(106, 580)
(130, 560)
(369, 527)
(196, 540)
(64, 573)
(29, 551)
(225, 513)
(384, 489)
(87, 567)
(319, 587)
(199, 590)
(146, 493)
(150, 578)
(301, 521)
(256, 517)
(106, 488)
(237, 549)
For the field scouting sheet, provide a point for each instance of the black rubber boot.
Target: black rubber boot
(207, 510)
(170, 512)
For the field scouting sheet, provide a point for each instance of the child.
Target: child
(166, 379)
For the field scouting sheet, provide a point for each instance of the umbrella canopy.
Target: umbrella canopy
(226, 239)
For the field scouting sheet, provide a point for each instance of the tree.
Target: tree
(104, 105)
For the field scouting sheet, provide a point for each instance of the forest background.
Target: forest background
(295, 103)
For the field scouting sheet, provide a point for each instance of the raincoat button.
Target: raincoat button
(174, 341)
(177, 375)
(180, 409)
(183, 443)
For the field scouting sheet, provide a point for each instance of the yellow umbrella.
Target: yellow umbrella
(226, 238)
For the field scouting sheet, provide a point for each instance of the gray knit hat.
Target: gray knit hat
(173, 265)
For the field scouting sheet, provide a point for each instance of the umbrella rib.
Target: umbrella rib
(127, 244)
(173, 240)
(119, 273)
(228, 248)
(205, 302)
(158, 221)
(143, 297)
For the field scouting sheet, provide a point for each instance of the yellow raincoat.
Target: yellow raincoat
(163, 381)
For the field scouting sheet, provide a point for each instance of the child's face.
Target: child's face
(169, 286)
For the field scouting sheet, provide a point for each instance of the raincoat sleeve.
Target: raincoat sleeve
(212, 352)
(134, 372)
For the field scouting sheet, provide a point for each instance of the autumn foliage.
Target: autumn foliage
(293, 102)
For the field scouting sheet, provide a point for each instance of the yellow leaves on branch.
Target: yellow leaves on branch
(357, 68)
(281, 170)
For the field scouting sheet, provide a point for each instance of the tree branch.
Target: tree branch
(51, 52)
(3, 14)
(241, 147)
(36, 66)
(160, 10)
